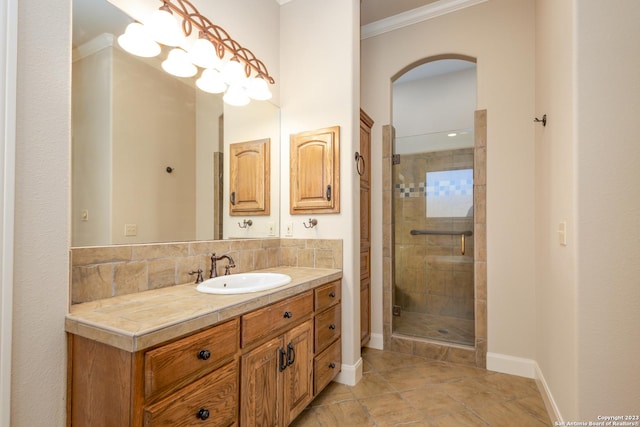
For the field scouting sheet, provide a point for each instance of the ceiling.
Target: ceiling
(375, 10)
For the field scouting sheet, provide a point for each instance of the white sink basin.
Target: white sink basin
(243, 283)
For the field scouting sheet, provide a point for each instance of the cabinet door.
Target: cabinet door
(364, 170)
(298, 377)
(262, 385)
(249, 165)
(315, 171)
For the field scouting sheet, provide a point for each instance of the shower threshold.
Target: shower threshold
(434, 327)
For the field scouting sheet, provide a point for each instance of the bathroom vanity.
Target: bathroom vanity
(177, 357)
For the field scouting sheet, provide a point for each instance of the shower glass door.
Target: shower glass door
(433, 235)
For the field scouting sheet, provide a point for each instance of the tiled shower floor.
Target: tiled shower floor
(409, 391)
(441, 328)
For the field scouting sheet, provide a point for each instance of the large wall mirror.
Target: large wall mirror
(149, 150)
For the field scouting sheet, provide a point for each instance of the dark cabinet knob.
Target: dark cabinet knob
(332, 326)
(332, 365)
(288, 315)
(203, 414)
(332, 294)
(204, 354)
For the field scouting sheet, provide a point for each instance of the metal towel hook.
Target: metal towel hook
(312, 223)
(543, 120)
(246, 223)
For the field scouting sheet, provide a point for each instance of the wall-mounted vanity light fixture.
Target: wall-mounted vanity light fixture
(227, 66)
(246, 223)
(312, 223)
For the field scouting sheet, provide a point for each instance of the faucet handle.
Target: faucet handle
(199, 278)
(227, 268)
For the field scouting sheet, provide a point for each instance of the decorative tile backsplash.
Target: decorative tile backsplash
(104, 272)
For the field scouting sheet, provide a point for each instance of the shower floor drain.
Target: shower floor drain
(443, 331)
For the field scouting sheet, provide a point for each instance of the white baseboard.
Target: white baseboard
(511, 365)
(350, 374)
(547, 397)
(376, 342)
(525, 368)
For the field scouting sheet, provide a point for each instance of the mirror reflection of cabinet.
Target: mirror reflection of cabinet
(315, 171)
(249, 173)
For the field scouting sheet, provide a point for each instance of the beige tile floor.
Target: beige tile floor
(403, 390)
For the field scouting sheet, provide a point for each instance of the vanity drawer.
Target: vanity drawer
(269, 320)
(181, 361)
(327, 327)
(326, 366)
(210, 401)
(327, 295)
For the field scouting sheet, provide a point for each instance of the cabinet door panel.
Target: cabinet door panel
(262, 386)
(249, 174)
(298, 377)
(315, 171)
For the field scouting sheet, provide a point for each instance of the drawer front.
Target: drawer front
(269, 320)
(327, 295)
(177, 363)
(326, 366)
(327, 327)
(210, 401)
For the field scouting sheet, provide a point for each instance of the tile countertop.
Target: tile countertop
(138, 321)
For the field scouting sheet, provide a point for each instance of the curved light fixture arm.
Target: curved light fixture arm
(191, 18)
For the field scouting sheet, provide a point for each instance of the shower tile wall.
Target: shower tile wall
(431, 275)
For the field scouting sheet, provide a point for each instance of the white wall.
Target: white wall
(500, 34)
(556, 282)
(41, 268)
(608, 207)
(319, 62)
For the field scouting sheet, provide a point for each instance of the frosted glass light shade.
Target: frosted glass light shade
(178, 64)
(203, 54)
(236, 96)
(233, 73)
(258, 89)
(211, 81)
(137, 41)
(164, 28)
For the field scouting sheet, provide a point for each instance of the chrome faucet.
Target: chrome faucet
(214, 267)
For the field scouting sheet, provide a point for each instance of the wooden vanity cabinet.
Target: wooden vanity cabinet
(260, 369)
(184, 382)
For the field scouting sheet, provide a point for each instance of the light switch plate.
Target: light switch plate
(130, 230)
(562, 233)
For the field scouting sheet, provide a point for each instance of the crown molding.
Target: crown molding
(414, 16)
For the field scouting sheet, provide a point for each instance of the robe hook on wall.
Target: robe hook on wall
(312, 223)
(246, 223)
(543, 120)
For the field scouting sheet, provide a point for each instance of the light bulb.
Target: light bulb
(164, 28)
(211, 81)
(233, 73)
(137, 41)
(258, 89)
(203, 54)
(236, 96)
(177, 64)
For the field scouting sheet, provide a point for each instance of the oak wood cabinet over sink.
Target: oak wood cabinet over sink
(260, 368)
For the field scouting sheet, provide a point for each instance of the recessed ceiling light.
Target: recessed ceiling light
(452, 134)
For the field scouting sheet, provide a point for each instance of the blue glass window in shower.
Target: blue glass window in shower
(450, 193)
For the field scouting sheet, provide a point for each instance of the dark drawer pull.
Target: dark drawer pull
(332, 294)
(288, 315)
(283, 359)
(204, 354)
(291, 354)
(203, 414)
(332, 326)
(332, 365)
